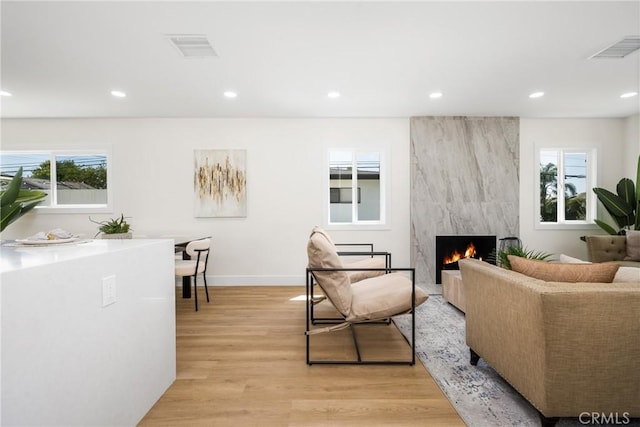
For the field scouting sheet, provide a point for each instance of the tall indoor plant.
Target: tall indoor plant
(15, 202)
(624, 207)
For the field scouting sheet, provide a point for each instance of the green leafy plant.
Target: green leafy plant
(15, 202)
(624, 207)
(113, 225)
(500, 257)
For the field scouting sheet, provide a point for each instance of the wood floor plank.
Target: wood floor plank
(241, 362)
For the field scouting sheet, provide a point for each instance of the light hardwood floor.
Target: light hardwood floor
(241, 362)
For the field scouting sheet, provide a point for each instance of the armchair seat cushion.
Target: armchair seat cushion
(382, 297)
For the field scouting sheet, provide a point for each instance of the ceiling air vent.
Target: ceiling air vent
(620, 49)
(192, 45)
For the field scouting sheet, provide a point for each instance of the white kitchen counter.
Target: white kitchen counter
(69, 354)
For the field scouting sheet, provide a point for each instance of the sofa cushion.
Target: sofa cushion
(559, 272)
(335, 284)
(566, 259)
(633, 245)
(627, 274)
(382, 297)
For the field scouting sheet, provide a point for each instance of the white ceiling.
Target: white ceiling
(62, 59)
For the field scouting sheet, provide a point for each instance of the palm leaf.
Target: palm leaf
(11, 193)
(617, 207)
(29, 195)
(9, 214)
(15, 202)
(606, 227)
(626, 190)
(501, 257)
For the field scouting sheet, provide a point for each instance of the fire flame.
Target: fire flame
(470, 252)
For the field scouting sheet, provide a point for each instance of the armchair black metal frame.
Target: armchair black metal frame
(370, 252)
(312, 301)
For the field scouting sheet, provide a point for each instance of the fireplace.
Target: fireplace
(449, 249)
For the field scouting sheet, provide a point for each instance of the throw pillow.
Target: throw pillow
(566, 259)
(633, 245)
(557, 272)
(627, 274)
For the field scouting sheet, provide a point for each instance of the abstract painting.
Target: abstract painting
(220, 183)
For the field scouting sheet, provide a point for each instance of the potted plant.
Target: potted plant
(15, 202)
(501, 256)
(114, 228)
(623, 207)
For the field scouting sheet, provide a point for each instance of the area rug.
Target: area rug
(479, 395)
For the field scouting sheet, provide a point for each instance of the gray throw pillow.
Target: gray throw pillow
(633, 245)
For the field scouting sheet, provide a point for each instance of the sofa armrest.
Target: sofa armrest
(606, 248)
(592, 344)
(504, 325)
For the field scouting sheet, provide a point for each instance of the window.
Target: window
(72, 179)
(565, 181)
(356, 190)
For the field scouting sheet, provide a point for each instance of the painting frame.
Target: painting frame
(220, 183)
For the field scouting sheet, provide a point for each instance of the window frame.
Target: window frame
(52, 154)
(385, 182)
(591, 182)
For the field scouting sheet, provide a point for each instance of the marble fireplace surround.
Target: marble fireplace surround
(464, 181)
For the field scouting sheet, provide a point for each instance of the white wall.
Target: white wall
(153, 162)
(631, 146)
(607, 135)
(153, 184)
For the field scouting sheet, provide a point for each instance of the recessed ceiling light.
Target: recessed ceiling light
(5, 93)
(230, 94)
(118, 94)
(628, 95)
(536, 95)
(333, 94)
(435, 95)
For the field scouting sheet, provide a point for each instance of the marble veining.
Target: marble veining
(464, 180)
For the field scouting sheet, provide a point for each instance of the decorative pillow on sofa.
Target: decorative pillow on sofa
(633, 245)
(566, 259)
(557, 272)
(627, 274)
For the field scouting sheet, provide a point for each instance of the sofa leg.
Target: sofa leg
(546, 421)
(475, 357)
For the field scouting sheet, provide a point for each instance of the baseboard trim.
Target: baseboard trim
(218, 280)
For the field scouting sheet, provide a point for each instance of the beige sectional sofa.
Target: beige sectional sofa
(568, 348)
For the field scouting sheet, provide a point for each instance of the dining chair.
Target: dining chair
(198, 251)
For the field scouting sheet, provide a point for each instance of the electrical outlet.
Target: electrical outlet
(108, 290)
